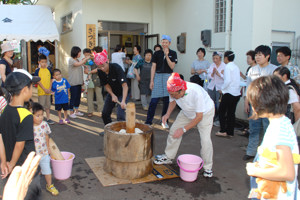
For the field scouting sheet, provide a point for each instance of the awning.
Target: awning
(27, 22)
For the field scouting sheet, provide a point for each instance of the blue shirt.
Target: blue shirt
(61, 91)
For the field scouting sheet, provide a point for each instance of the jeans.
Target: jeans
(254, 132)
(227, 113)
(75, 96)
(109, 106)
(152, 108)
(215, 96)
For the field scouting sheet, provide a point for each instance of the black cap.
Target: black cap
(18, 79)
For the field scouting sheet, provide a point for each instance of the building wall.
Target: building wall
(72, 38)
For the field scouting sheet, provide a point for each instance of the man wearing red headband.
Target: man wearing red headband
(113, 78)
(197, 109)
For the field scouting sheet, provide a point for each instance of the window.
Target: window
(66, 23)
(220, 16)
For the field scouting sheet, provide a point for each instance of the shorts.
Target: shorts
(64, 106)
(44, 100)
(45, 165)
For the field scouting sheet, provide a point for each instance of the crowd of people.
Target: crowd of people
(271, 100)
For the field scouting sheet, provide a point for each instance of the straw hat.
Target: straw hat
(6, 47)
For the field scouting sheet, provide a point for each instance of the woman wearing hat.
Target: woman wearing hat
(6, 61)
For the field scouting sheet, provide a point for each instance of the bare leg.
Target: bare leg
(48, 179)
(59, 114)
(66, 114)
(47, 114)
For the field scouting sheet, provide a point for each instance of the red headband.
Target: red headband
(175, 83)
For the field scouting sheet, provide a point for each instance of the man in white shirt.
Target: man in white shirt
(263, 68)
(197, 109)
(231, 96)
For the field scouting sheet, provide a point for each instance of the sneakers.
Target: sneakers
(49, 121)
(145, 108)
(73, 116)
(217, 123)
(67, 121)
(162, 159)
(61, 122)
(52, 190)
(78, 113)
(208, 173)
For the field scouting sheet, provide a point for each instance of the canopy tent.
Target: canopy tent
(27, 22)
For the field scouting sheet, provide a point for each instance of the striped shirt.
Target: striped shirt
(3, 104)
(281, 132)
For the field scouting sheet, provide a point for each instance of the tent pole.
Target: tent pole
(29, 56)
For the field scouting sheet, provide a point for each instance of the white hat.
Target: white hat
(6, 47)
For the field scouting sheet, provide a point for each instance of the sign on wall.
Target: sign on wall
(91, 36)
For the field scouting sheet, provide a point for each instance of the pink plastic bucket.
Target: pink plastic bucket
(62, 168)
(189, 166)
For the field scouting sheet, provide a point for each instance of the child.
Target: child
(269, 97)
(41, 140)
(3, 102)
(16, 127)
(94, 86)
(61, 87)
(44, 87)
(144, 78)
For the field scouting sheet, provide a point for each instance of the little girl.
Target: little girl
(269, 97)
(41, 132)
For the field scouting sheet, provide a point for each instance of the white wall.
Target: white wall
(72, 38)
(191, 17)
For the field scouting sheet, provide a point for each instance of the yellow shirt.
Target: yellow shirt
(45, 76)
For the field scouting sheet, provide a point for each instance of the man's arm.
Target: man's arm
(170, 63)
(171, 107)
(4, 168)
(296, 110)
(179, 132)
(19, 147)
(124, 93)
(153, 69)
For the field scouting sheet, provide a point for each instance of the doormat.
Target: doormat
(159, 172)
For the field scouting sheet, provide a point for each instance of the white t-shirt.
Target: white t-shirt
(257, 71)
(231, 80)
(293, 96)
(195, 100)
(281, 132)
(117, 57)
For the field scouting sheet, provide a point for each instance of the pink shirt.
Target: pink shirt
(216, 81)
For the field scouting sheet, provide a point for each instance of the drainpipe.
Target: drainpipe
(227, 28)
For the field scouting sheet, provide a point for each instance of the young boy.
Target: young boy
(16, 127)
(269, 96)
(61, 87)
(41, 132)
(144, 78)
(263, 68)
(44, 86)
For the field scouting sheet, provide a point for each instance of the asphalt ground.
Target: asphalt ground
(81, 137)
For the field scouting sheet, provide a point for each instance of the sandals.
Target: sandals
(220, 134)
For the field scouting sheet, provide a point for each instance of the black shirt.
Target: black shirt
(16, 125)
(115, 78)
(161, 62)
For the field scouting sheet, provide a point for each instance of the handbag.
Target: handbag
(130, 73)
(90, 84)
